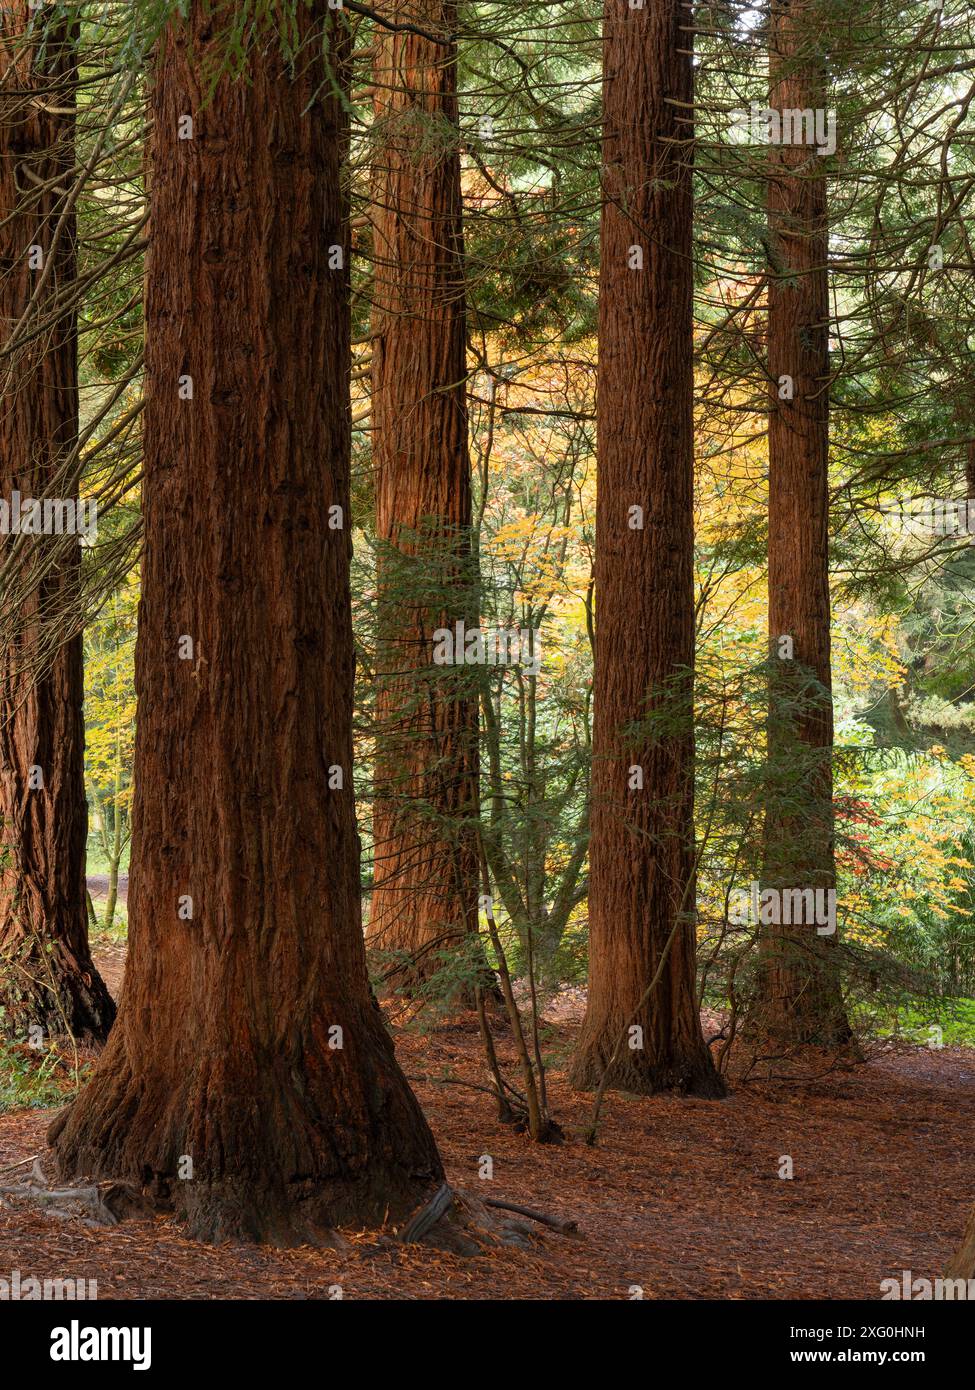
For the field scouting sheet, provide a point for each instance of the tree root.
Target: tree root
(94, 1204)
(452, 1220)
(556, 1223)
(458, 1221)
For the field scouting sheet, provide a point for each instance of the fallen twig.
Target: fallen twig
(557, 1223)
(22, 1164)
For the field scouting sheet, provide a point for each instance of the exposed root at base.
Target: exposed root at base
(463, 1224)
(452, 1220)
(93, 1204)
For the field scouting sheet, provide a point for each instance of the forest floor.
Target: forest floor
(98, 887)
(680, 1197)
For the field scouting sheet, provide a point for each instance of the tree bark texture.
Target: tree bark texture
(424, 899)
(250, 1080)
(642, 895)
(799, 994)
(47, 977)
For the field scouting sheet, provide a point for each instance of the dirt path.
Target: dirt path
(681, 1197)
(98, 886)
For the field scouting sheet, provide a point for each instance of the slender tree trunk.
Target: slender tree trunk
(800, 997)
(47, 977)
(250, 1080)
(114, 858)
(641, 897)
(111, 899)
(425, 884)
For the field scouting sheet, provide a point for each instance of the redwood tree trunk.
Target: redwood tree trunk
(424, 899)
(962, 1263)
(47, 978)
(248, 1041)
(641, 897)
(800, 998)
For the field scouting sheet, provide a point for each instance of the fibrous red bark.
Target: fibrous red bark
(641, 896)
(250, 1080)
(47, 978)
(424, 899)
(799, 994)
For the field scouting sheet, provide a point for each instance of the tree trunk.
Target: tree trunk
(426, 878)
(250, 1081)
(112, 898)
(800, 997)
(114, 859)
(642, 895)
(962, 1263)
(47, 977)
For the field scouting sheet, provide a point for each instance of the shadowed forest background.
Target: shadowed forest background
(487, 664)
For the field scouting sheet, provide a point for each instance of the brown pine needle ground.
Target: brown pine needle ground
(681, 1197)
